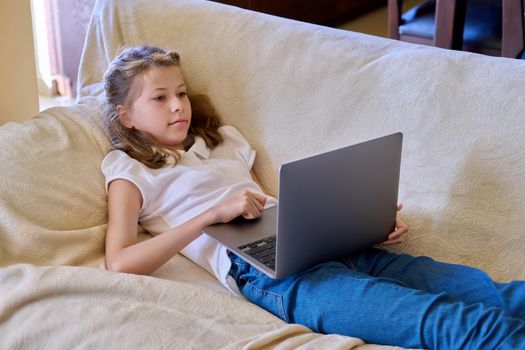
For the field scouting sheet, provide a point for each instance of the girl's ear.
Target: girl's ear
(123, 117)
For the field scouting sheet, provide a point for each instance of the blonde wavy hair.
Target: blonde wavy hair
(133, 62)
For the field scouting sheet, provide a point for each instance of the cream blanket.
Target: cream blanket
(293, 89)
(80, 307)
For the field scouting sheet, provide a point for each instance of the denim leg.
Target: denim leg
(332, 298)
(269, 297)
(463, 282)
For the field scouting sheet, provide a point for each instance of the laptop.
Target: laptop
(331, 205)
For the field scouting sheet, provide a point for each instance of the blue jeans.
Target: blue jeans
(391, 299)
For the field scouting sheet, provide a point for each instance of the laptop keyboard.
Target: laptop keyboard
(262, 250)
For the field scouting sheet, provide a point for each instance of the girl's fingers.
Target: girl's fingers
(399, 206)
(397, 237)
(394, 241)
(401, 225)
(247, 211)
(253, 204)
(252, 209)
(260, 198)
(397, 233)
(259, 205)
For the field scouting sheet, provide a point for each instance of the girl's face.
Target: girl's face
(159, 106)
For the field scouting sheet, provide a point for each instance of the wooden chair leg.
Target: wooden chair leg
(449, 23)
(512, 41)
(394, 18)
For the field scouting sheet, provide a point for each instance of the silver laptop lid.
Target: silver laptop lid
(334, 204)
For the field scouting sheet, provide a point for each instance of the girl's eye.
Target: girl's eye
(159, 98)
(183, 94)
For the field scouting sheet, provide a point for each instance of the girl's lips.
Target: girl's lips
(181, 121)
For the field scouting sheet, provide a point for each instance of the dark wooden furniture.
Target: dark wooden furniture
(513, 40)
(327, 12)
(493, 27)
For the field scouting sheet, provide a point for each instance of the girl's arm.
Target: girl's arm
(125, 254)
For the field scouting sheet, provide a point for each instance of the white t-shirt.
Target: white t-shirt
(173, 195)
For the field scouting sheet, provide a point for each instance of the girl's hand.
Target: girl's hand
(248, 204)
(396, 237)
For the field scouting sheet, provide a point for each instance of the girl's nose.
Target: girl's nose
(175, 107)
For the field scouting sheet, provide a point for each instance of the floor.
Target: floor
(374, 23)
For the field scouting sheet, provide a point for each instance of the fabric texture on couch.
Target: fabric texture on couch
(293, 89)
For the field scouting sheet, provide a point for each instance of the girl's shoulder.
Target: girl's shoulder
(117, 161)
(116, 156)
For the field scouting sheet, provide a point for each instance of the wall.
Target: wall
(18, 83)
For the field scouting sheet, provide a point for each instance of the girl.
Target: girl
(175, 172)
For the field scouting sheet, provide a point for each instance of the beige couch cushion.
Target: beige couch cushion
(51, 190)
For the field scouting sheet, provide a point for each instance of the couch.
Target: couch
(293, 89)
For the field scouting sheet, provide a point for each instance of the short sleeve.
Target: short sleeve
(242, 150)
(118, 165)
